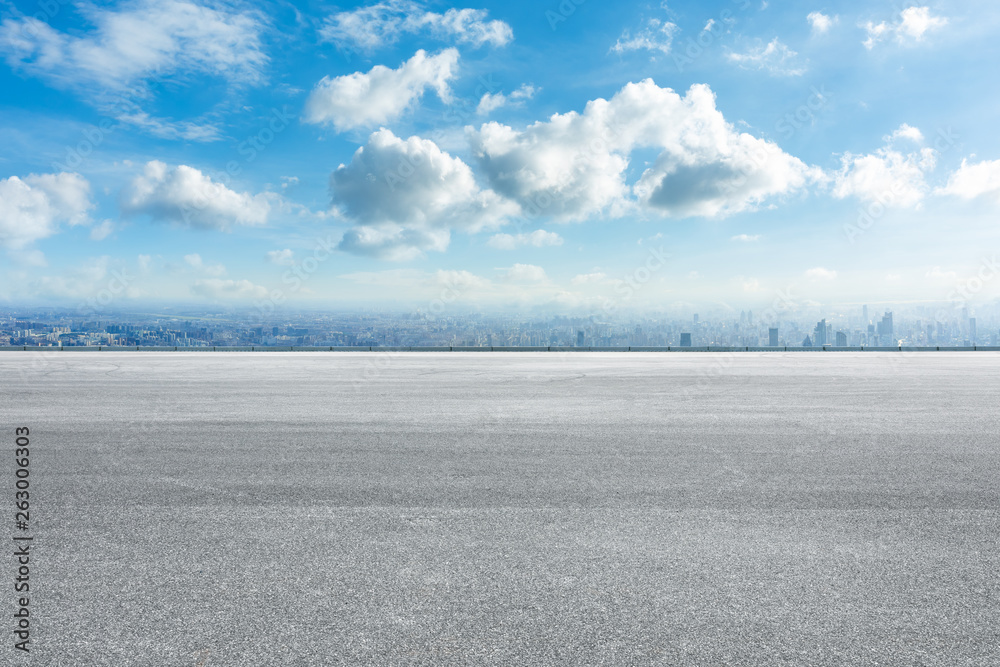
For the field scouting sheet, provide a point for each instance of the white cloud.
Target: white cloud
(709, 25)
(524, 273)
(172, 130)
(916, 21)
(140, 40)
(102, 231)
(589, 278)
(745, 238)
(820, 22)
(657, 35)
(281, 257)
(185, 195)
(33, 207)
(887, 176)
(938, 275)
(913, 24)
(145, 261)
(970, 181)
(905, 131)
(406, 196)
(493, 101)
(819, 273)
(194, 261)
(775, 58)
(215, 288)
(572, 166)
(377, 25)
(537, 238)
(381, 94)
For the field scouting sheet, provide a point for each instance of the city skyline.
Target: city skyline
(570, 156)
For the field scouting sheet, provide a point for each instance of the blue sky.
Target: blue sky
(498, 154)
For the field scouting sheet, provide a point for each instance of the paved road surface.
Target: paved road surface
(508, 509)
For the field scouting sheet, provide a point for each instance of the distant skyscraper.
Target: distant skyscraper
(579, 339)
(807, 342)
(686, 339)
(972, 330)
(696, 318)
(884, 330)
(864, 313)
(750, 317)
(819, 334)
(772, 337)
(841, 339)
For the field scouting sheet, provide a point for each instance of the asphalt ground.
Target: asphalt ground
(299, 509)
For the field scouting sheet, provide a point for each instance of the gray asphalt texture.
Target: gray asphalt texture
(302, 509)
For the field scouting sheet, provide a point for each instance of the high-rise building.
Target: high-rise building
(696, 318)
(579, 339)
(864, 313)
(819, 334)
(972, 330)
(841, 339)
(884, 330)
(772, 337)
(686, 339)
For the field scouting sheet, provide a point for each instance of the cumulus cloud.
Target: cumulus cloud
(913, 24)
(281, 257)
(32, 208)
(492, 101)
(775, 58)
(381, 94)
(905, 131)
(820, 273)
(216, 288)
(745, 238)
(572, 166)
(194, 261)
(656, 35)
(524, 273)
(138, 40)
(888, 176)
(538, 238)
(970, 181)
(820, 22)
(184, 195)
(102, 231)
(368, 28)
(589, 278)
(406, 196)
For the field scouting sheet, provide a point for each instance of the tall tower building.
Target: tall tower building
(819, 334)
(685, 340)
(772, 337)
(972, 330)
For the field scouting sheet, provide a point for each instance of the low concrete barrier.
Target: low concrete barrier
(495, 348)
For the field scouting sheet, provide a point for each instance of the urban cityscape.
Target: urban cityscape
(194, 327)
